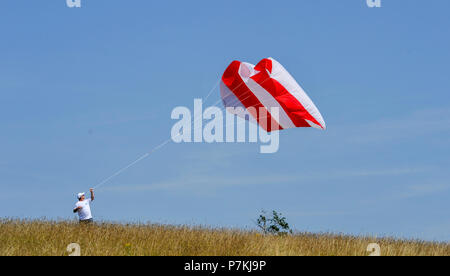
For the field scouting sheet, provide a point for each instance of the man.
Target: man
(83, 207)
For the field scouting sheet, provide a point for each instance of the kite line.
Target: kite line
(106, 180)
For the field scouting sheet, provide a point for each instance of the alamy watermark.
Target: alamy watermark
(73, 3)
(373, 3)
(77, 3)
(211, 125)
(374, 249)
(74, 249)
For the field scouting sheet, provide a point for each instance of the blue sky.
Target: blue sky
(83, 92)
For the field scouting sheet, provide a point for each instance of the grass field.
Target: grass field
(52, 238)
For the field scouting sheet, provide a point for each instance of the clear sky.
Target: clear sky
(85, 91)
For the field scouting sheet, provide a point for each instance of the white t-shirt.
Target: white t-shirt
(85, 212)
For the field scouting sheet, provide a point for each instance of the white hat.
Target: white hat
(80, 195)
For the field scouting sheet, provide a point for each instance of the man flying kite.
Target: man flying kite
(83, 207)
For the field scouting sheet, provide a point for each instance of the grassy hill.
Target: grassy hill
(52, 238)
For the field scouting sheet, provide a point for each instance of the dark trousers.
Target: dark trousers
(87, 221)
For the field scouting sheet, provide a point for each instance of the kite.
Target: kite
(268, 86)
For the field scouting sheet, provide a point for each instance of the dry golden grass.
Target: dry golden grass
(51, 238)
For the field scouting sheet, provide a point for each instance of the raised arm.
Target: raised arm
(92, 193)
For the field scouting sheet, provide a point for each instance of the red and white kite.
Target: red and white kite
(263, 87)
